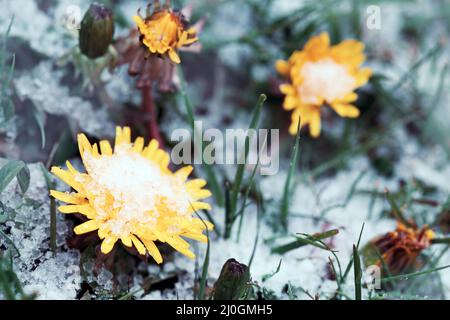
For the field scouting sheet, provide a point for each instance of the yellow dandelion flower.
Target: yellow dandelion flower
(130, 194)
(320, 75)
(163, 32)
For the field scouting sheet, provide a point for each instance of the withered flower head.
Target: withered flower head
(400, 248)
(164, 31)
(151, 50)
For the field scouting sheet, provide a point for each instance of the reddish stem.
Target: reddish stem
(148, 107)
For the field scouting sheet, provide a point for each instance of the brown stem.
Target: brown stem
(148, 107)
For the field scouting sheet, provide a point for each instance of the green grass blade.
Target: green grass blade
(284, 208)
(396, 210)
(350, 263)
(213, 182)
(204, 277)
(241, 212)
(241, 167)
(301, 242)
(358, 273)
(39, 116)
(413, 274)
(441, 241)
(8, 172)
(23, 177)
(259, 214)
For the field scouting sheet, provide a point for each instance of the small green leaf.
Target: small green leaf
(8, 172)
(8, 109)
(23, 177)
(39, 116)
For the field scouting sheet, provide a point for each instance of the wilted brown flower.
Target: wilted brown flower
(150, 50)
(400, 248)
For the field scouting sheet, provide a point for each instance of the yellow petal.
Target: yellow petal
(118, 140)
(295, 118)
(126, 241)
(363, 76)
(71, 169)
(138, 144)
(196, 183)
(83, 144)
(282, 67)
(287, 89)
(95, 152)
(126, 135)
(86, 227)
(318, 47)
(202, 223)
(345, 110)
(67, 197)
(350, 97)
(138, 244)
(153, 250)
(196, 206)
(108, 244)
(181, 246)
(105, 148)
(290, 102)
(195, 236)
(162, 158)
(314, 125)
(149, 151)
(184, 172)
(174, 56)
(201, 194)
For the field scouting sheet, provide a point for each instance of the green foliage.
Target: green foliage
(14, 169)
(6, 75)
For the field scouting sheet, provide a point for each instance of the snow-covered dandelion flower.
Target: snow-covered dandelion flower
(165, 30)
(319, 75)
(130, 194)
(399, 249)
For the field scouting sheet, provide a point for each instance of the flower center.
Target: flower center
(324, 80)
(162, 29)
(131, 191)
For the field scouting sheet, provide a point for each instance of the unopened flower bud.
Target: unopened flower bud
(97, 30)
(233, 281)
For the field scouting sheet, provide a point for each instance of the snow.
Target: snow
(46, 34)
(42, 86)
(50, 277)
(325, 78)
(58, 276)
(136, 185)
